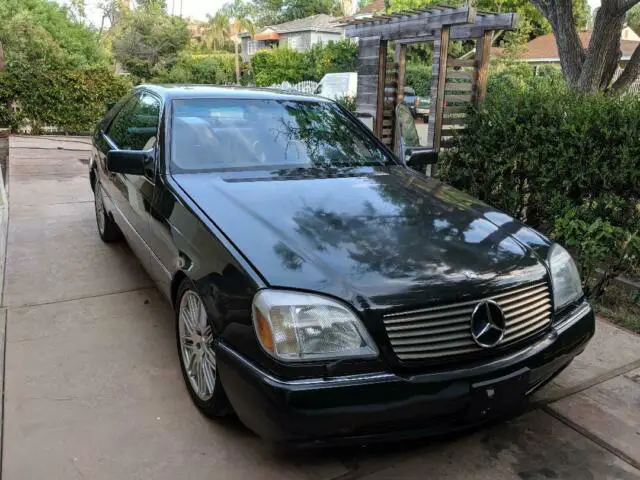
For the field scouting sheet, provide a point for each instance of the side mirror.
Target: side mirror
(420, 157)
(132, 162)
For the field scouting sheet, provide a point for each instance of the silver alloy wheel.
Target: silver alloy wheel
(196, 345)
(100, 213)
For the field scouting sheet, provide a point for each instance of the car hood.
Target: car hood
(375, 237)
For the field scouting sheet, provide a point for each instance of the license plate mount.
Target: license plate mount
(498, 395)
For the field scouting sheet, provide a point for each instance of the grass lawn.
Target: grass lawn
(621, 306)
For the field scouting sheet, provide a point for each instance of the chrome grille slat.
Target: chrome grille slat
(431, 348)
(471, 303)
(422, 356)
(535, 303)
(513, 323)
(412, 326)
(444, 330)
(523, 325)
(451, 313)
(429, 331)
(430, 339)
(519, 298)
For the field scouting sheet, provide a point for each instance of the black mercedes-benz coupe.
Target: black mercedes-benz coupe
(323, 289)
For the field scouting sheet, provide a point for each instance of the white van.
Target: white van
(338, 85)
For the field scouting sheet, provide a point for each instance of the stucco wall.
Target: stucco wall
(324, 37)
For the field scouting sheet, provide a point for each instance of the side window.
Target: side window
(136, 126)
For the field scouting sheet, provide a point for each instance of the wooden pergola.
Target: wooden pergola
(454, 82)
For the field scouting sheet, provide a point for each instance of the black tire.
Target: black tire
(217, 405)
(107, 228)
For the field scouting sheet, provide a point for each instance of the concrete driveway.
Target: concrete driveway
(92, 386)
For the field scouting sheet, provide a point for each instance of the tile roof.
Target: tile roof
(374, 6)
(544, 48)
(316, 23)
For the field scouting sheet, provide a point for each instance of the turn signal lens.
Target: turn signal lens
(263, 330)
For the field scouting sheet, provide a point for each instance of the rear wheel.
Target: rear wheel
(107, 228)
(196, 350)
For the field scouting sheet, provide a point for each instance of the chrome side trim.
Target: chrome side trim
(321, 382)
(142, 242)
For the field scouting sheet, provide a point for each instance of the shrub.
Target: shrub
(284, 64)
(73, 100)
(418, 76)
(566, 163)
(218, 68)
(334, 57)
(279, 65)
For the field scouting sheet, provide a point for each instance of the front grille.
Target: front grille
(445, 330)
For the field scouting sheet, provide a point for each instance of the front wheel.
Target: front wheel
(195, 339)
(107, 228)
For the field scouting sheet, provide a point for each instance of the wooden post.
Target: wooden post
(382, 76)
(402, 70)
(481, 74)
(437, 107)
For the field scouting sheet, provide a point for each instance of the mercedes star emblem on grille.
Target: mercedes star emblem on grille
(487, 324)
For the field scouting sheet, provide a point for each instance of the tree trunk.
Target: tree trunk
(630, 73)
(237, 50)
(614, 54)
(592, 69)
(606, 32)
(572, 55)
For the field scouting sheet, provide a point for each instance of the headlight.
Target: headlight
(565, 278)
(302, 326)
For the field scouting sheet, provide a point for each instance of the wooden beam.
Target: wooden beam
(398, 28)
(460, 75)
(483, 52)
(458, 86)
(442, 78)
(459, 32)
(454, 62)
(402, 70)
(452, 110)
(382, 66)
(454, 121)
(458, 98)
(367, 65)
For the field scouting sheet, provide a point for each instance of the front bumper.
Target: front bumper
(385, 405)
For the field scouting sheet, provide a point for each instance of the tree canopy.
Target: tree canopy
(53, 29)
(270, 12)
(148, 38)
(633, 19)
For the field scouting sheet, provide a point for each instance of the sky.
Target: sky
(196, 9)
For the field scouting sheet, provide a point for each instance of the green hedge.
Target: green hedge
(284, 64)
(73, 100)
(566, 163)
(277, 65)
(217, 68)
(418, 76)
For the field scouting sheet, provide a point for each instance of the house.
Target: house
(197, 30)
(299, 35)
(376, 6)
(543, 50)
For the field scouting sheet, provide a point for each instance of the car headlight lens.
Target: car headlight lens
(300, 326)
(565, 278)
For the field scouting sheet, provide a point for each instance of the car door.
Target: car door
(134, 128)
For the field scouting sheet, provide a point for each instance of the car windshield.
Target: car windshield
(229, 134)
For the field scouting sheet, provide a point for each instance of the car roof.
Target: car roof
(213, 91)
